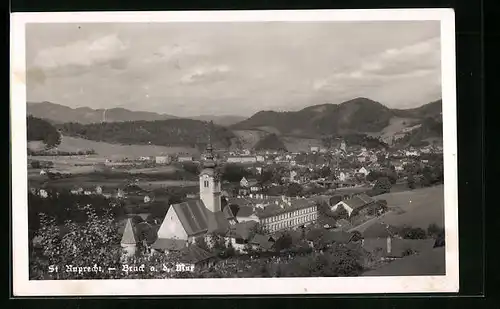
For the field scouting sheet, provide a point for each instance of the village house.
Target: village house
(162, 159)
(363, 171)
(355, 204)
(241, 159)
(260, 158)
(185, 159)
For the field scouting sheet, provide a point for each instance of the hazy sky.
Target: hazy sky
(189, 69)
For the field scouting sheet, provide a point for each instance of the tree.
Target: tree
(325, 172)
(411, 182)
(335, 199)
(437, 233)
(136, 220)
(93, 243)
(294, 189)
(383, 185)
(412, 233)
(234, 173)
(284, 242)
(380, 207)
(200, 242)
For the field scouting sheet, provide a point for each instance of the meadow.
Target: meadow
(416, 208)
(114, 151)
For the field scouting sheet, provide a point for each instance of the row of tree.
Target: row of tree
(41, 130)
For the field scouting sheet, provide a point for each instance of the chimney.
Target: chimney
(389, 244)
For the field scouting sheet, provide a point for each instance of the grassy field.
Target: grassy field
(156, 184)
(431, 263)
(73, 144)
(417, 208)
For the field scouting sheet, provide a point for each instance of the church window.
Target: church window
(206, 183)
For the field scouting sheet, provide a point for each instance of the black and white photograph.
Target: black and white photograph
(226, 152)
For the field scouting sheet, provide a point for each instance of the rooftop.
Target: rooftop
(128, 237)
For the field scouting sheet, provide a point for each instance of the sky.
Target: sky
(190, 69)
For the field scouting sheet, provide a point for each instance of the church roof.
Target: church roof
(128, 237)
(169, 244)
(197, 219)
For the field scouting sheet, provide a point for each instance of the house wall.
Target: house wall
(290, 219)
(129, 250)
(172, 226)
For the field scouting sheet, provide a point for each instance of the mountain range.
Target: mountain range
(311, 125)
(360, 115)
(57, 113)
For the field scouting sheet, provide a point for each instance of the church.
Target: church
(186, 221)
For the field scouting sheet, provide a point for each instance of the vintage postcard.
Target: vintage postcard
(234, 152)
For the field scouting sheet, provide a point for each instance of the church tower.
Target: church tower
(210, 187)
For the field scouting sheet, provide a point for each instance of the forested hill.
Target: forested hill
(353, 116)
(270, 142)
(41, 130)
(171, 132)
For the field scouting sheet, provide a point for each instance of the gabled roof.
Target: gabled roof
(241, 230)
(197, 219)
(128, 237)
(339, 236)
(192, 216)
(262, 241)
(359, 201)
(194, 254)
(244, 211)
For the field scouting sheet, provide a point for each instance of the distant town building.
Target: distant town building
(363, 171)
(244, 182)
(162, 159)
(343, 146)
(260, 158)
(242, 159)
(185, 159)
(314, 149)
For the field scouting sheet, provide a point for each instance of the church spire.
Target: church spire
(209, 156)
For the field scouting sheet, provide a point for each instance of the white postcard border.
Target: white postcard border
(22, 286)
